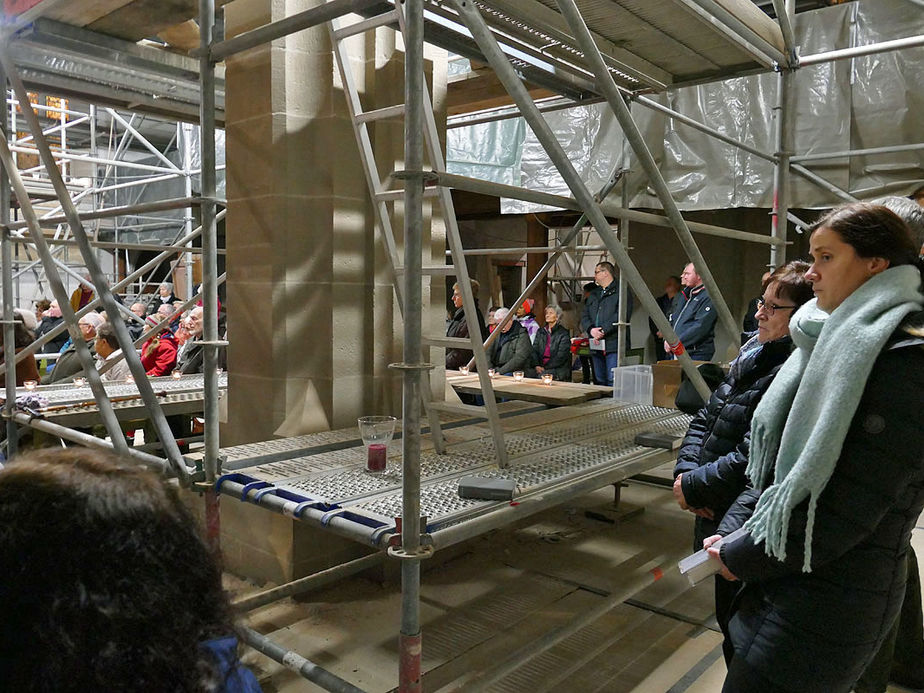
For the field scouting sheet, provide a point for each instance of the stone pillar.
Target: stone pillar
(312, 318)
(313, 322)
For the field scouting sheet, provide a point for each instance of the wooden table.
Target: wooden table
(559, 393)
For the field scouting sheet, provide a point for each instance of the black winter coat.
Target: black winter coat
(602, 310)
(511, 351)
(714, 454)
(47, 325)
(560, 359)
(458, 327)
(817, 631)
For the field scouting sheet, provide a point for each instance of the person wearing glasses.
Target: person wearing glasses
(837, 464)
(600, 322)
(710, 471)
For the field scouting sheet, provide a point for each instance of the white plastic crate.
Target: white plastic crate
(632, 384)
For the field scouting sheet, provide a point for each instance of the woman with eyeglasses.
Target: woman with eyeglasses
(709, 474)
(837, 461)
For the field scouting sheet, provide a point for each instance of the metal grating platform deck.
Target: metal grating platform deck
(554, 453)
(70, 405)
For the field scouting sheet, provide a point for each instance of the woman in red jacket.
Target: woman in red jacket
(158, 355)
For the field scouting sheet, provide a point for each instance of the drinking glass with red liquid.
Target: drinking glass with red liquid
(376, 432)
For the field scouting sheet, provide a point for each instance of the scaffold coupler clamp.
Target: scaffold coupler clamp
(423, 551)
(412, 366)
(426, 176)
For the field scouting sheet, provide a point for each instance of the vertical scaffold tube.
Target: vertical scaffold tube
(209, 268)
(410, 640)
(9, 339)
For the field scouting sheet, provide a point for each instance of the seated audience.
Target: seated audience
(552, 347)
(51, 318)
(23, 337)
(158, 355)
(83, 294)
(526, 318)
(511, 351)
(108, 352)
(189, 357)
(108, 586)
(135, 328)
(164, 296)
(68, 364)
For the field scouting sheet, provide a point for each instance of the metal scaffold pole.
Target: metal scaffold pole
(6, 251)
(210, 345)
(781, 178)
(410, 553)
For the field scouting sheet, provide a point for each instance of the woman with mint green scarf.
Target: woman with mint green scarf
(837, 460)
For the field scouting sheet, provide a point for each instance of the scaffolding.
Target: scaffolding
(550, 44)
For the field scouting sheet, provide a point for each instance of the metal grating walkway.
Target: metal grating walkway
(578, 447)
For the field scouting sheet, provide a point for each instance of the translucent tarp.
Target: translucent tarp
(839, 106)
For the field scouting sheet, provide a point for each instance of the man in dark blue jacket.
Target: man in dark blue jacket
(601, 322)
(694, 319)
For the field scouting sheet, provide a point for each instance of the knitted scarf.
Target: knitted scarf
(800, 425)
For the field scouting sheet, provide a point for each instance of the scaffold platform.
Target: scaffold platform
(555, 454)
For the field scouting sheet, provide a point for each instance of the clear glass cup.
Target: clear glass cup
(376, 432)
(30, 384)
(463, 370)
(80, 382)
(518, 376)
(177, 375)
(492, 372)
(547, 378)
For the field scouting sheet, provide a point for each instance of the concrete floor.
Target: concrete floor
(493, 596)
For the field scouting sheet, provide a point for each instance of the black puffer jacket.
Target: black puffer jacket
(817, 631)
(714, 453)
(559, 363)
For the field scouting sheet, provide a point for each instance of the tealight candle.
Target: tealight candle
(80, 382)
(518, 376)
(30, 384)
(177, 375)
(129, 379)
(219, 371)
(547, 378)
(492, 372)
(463, 370)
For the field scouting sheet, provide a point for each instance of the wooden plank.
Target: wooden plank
(481, 89)
(86, 12)
(531, 389)
(144, 18)
(183, 36)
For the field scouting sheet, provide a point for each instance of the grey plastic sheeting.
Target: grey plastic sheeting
(871, 101)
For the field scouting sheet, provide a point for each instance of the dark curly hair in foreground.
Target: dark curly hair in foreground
(106, 584)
